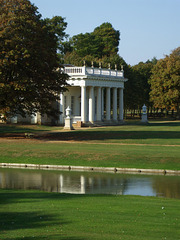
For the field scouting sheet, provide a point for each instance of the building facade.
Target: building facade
(95, 95)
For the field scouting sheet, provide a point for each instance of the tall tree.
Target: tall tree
(29, 79)
(165, 82)
(108, 38)
(142, 71)
(102, 42)
(57, 26)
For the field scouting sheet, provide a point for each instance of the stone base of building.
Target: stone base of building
(80, 124)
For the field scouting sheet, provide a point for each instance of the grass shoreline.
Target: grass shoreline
(152, 146)
(90, 169)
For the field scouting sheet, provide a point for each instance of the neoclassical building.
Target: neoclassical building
(94, 95)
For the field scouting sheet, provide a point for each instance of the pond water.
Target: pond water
(90, 182)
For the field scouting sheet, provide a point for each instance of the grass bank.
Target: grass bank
(39, 215)
(156, 145)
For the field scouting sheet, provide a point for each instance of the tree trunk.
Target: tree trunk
(178, 113)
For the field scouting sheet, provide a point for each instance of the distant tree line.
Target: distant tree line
(33, 49)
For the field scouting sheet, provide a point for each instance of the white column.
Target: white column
(14, 119)
(102, 102)
(99, 105)
(34, 118)
(61, 108)
(108, 104)
(83, 103)
(121, 104)
(91, 104)
(115, 104)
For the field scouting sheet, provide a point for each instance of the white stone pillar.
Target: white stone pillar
(121, 104)
(102, 102)
(115, 104)
(34, 118)
(14, 119)
(99, 104)
(62, 115)
(83, 103)
(91, 104)
(108, 104)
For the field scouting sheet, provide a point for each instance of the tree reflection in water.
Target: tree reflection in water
(168, 186)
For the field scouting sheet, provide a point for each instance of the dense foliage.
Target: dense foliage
(103, 42)
(29, 79)
(57, 26)
(165, 82)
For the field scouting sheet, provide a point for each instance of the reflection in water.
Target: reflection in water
(168, 188)
(90, 183)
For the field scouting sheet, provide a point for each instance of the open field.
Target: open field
(156, 145)
(39, 215)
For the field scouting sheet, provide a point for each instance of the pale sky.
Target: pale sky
(149, 28)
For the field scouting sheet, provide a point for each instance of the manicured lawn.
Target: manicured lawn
(78, 154)
(156, 145)
(39, 215)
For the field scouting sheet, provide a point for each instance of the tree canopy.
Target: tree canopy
(57, 26)
(102, 42)
(165, 82)
(29, 77)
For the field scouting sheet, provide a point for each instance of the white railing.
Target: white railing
(77, 71)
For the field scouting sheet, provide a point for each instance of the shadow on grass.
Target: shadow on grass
(16, 128)
(14, 196)
(21, 131)
(22, 220)
(86, 134)
(53, 237)
(168, 124)
(109, 135)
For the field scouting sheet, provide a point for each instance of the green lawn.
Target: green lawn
(97, 155)
(156, 145)
(39, 215)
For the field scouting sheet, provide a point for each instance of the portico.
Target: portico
(89, 95)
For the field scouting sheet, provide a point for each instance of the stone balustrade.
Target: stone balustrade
(82, 71)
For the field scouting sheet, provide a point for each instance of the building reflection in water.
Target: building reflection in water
(90, 183)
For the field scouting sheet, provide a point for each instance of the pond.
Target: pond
(90, 182)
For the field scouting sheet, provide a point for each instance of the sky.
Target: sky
(148, 28)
